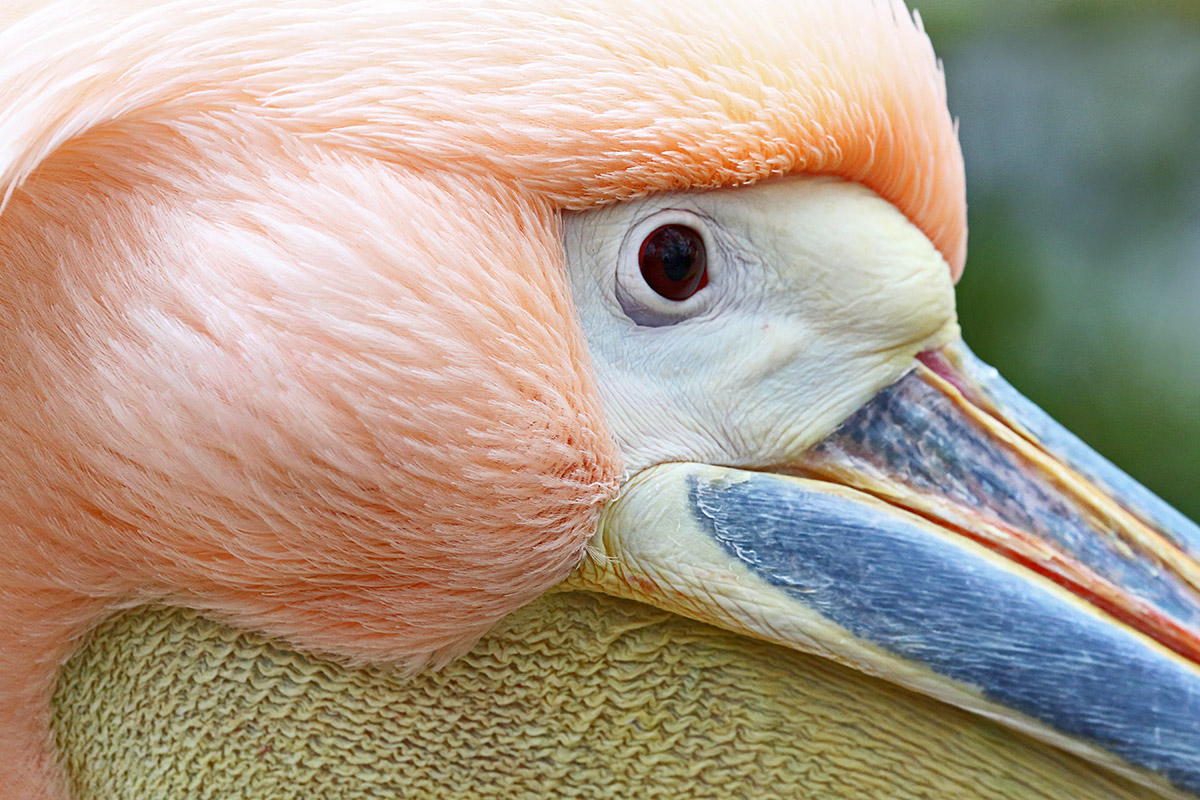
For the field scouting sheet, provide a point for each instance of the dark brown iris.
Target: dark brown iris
(673, 261)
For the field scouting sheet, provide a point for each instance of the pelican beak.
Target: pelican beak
(951, 538)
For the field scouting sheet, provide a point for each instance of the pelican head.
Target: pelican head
(362, 326)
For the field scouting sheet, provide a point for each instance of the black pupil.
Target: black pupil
(673, 262)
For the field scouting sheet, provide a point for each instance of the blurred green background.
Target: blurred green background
(1080, 124)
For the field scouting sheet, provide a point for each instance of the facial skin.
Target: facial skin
(819, 294)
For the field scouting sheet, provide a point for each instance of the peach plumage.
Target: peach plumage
(286, 332)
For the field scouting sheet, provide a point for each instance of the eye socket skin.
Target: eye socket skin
(667, 268)
(674, 261)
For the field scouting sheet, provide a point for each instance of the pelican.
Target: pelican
(337, 335)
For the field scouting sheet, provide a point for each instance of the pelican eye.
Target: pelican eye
(674, 262)
(663, 262)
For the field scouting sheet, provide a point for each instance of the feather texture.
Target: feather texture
(311, 392)
(285, 327)
(581, 102)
